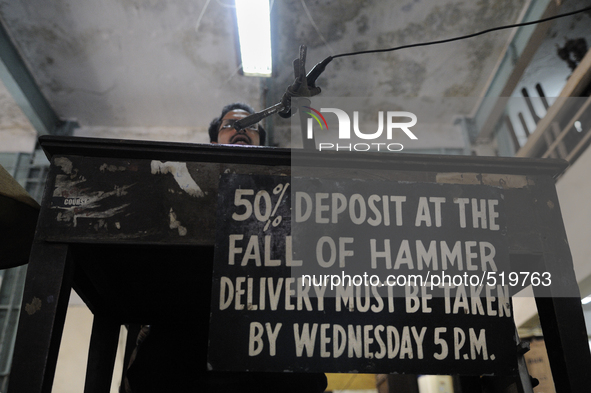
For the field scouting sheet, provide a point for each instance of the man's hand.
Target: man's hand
(301, 87)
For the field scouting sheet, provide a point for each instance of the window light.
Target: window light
(254, 32)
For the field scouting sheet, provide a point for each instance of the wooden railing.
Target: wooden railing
(565, 130)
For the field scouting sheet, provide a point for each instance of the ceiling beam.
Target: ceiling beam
(26, 93)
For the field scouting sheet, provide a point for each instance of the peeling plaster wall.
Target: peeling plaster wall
(455, 69)
(156, 64)
(120, 63)
(459, 69)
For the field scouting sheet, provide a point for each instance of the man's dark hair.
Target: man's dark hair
(214, 126)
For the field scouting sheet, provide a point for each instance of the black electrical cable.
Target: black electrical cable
(462, 37)
(319, 68)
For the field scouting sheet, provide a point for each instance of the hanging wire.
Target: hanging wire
(464, 36)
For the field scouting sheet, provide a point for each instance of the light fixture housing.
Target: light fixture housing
(254, 35)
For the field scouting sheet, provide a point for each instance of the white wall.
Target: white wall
(71, 365)
(574, 196)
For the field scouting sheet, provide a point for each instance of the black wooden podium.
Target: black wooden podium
(130, 225)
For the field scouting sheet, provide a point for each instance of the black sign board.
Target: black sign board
(318, 275)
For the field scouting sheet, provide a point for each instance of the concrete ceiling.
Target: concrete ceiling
(162, 69)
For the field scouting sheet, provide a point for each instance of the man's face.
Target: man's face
(227, 134)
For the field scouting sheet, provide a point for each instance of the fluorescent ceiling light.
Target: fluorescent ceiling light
(254, 31)
(586, 300)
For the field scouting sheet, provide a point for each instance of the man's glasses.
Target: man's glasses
(229, 124)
